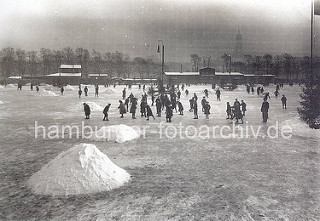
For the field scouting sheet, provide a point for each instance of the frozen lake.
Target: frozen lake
(182, 178)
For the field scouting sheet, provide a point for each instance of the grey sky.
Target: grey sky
(133, 26)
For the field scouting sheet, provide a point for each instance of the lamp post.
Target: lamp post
(162, 61)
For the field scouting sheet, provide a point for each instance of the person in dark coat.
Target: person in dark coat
(86, 110)
(252, 90)
(264, 110)
(168, 113)
(191, 104)
(229, 113)
(207, 109)
(284, 102)
(187, 92)
(62, 90)
(96, 93)
(149, 112)
(143, 108)
(195, 109)
(206, 93)
(218, 93)
(124, 94)
(243, 107)
(276, 94)
(37, 88)
(266, 96)
(31, 86)
(180, 108)
(79, 92)
(105, 112)
(85, 91)
(133, 107)
(158, 106)
(122, 108)
(237, 111)
(203, 103)
(179, 94)
(126, 103)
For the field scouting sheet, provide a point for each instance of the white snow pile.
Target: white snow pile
(82, 169)
(11, 86)
(1, 102)
(93, 106)
(110, 91)
(69, 88)
(117, 133)
(46, 93)
(300, 128)
(1, 87)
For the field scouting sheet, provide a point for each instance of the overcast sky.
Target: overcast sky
(208, 28)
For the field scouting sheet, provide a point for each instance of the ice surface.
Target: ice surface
(83, 169)
(118, 133)
(110, 91)
(1, 87)
(11, 86)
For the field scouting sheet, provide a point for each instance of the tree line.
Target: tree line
(284, 66)
(46, 61)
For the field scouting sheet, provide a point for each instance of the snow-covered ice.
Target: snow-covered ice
(118, 133)
(82, 169)
(11, 86)
(300, 128)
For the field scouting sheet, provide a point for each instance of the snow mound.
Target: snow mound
(300, 128)
(118, 133)
(1, 87)
(110, 91)
(46, 93)
(11, 86)
(69, 88)
(93, 106)
(82, 169)
(1, 102)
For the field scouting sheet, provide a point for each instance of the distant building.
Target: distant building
(210, 76)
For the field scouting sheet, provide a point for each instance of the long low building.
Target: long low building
(210, 76)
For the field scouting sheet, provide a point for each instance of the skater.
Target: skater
(218, 93)
(168, 113)
(284, 102)
(264, 110)
(203, 103)
(195, 109)
(266, 96)
(191, 104)
(79, 92)
(143, 108)
(180, 108)
(195, 97)
(105, 112)
(207, 109)
(152, 99)
(276, 94)
(248, 88)
(252, 90)
(149, 112)
(62, 90)
(86, 91)
(133, 107)
(229, 113)
(206, 93)
(179, 94)
(187, 92)
(87, 111)
(31, 87)
(96, 91)
(37, 89)
(124, 93)
(237, 111)
(126, 103)
(158, 106)
(122, 108)
(243, 108)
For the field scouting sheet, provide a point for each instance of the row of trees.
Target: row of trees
(46, 61)
(285, 66)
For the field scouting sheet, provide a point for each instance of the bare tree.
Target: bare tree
(21, 56)
(68, 55)
(121, 62)
(32, 63)
(7, 62)
(267, 61)
(46, 59)
(195, 59)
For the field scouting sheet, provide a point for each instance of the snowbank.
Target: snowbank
(1, 102)
(300, 128)
(110, 91)
(82, 169)
(118, 133)
(1, 87)
(93, 106)
(11, 86)
(69, 88)
(46, 93)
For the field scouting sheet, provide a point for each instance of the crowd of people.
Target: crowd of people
(170, 102)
